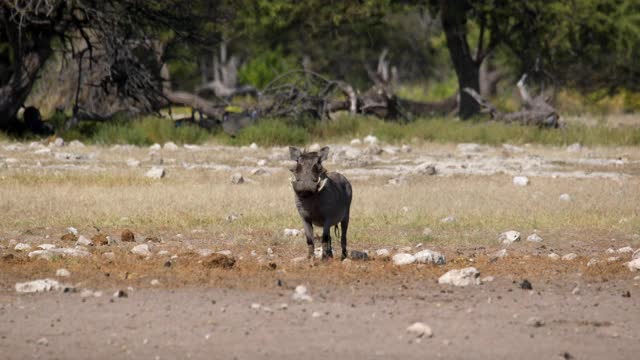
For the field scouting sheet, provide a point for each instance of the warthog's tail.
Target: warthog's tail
(336, 231)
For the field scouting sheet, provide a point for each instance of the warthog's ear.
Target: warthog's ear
(294, 153)
(324, 153)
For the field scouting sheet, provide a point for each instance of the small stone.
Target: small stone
(448, 219)
(170, 146)
(83, 241)
(347, 262)
(509, 237)
(43, 341)
(237, 178)
(419, 330)
(592, 262)
(76, 144)
(42, 285)
(406, 149)
(292, 232)
(575, 291)
(141, 250)
(634, 265)
(270, 251)
(22, 247)
(133, 163)
(403, 259)
(46, 246)
(461, 277)
(224, 252)
(610, 251)
(127, 236)
(501, 253)
(314, 147)
(534, 238)
(120, 294)
(636, 254)
(526, 285)
(316, 314)
(401, 180)
(575, 147)
(301, 293)
(155, 282)
(383, 254)
(358, 255)
(109, 255)
(520, 180)
(487, 279)
(63, 273)
(565, 197)
(317, 252)
(429, 257)
(44, 151)
(425, 169)
(569, 257)
(256, 306)
(283, 306)
(355, 142)
(535, 322)
(625, 250)
(253, 146)
(259, 172)
(155, 147)
(59, 142)
(370, 139)
(156, 172)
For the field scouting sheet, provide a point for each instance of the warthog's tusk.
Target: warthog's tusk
(322, 183)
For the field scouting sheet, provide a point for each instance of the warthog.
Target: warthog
(323, 199)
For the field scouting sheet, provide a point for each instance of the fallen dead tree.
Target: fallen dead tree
(536, 111)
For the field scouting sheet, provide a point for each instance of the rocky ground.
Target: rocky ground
(471, 252)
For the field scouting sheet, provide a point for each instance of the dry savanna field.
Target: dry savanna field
(180, 298)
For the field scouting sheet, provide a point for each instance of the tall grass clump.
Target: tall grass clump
(147, 131)
(272, 132)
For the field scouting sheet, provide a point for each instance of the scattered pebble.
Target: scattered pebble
(155, 282)
(301, 294)
(534, 238)
(120, 294)
(575, 291)
(429, 257)
(520, 180)
(425, 169)
(142, 250)
(535, 322)
(109, 255)
(383, 253)
(487, 279)
(46, 246)
(22, 247)
(419, 330)
(526, 285)
(316, 314)
(253, 146)
(592, 262)
(565, 197)
(370, 139)
(292, 232)
(355, 142)
(634, 265)
(625, 250)
(403, 259)
(155, 147)
(613, 259)
(170, 146)
(358, 255)
(42, 285)
(501, 253)
(237, 178)
(575, 147)
(256, 306)
(133, 163)
(448, 219)
(43, 341)
(461, 277)
(569, 257)
(156, 172)
(83, 241)
(63, 273)
(509, 237)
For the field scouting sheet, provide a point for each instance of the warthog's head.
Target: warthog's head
(309, 177)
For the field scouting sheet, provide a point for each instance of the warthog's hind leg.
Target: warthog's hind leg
(308, 233)
(344, 225)
(327, 253)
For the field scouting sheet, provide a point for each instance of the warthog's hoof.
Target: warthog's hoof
(327, 255)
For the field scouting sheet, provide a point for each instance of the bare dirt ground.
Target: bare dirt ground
(180, 303)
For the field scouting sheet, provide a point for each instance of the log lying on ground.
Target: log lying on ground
(536, 112)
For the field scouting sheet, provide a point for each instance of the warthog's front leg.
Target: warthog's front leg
(308, 233)
(344, 226)
(327, 253)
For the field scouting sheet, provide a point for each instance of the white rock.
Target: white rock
(429, 257)
(314, 147)
(142, 250)
(316, 314)
(370, 139)
(487, 279)
(163, 253)
(317, 252)
(46, 246)
(259, 171)
(448, 219)
(237, 178)
(109, 255)
(520, 180)
(569, 257)
(42, 285)
(22, 247)
(613, 259)
(565, 197)
(501, 253)
(636, 254)
(83, 241)
(155, 282)
(192, 147)
(419, 330)
(400, 180)
(44, 151)
(403, 259)
(418, 245)
(355, 142)
(43, 341)
(625, 250)
(634, 265)
(509, 237)
(576, 290)
(253, 146)
(383, 253)
(301, 293)
(156, 172)
(50, 253)
(76, 144)
(512, 148)
(63, 273)
(155, 147)
(470, 148)
(406, 149)
(170, 146)
(534, 238)
(575, 147)
(461, 277)
(554, 256)
(610, 251)
(133, 162)
(270, 251)
(425, 169)
(256, 306)
(292, 232)
(592, 262)
(59, 142)
(535, 322)
(72, 230)
(224, 252)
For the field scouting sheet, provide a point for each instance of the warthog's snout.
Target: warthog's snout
(308, 188)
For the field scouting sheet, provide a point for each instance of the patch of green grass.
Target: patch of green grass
(270, 132)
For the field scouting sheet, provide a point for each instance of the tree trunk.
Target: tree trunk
(454, 23)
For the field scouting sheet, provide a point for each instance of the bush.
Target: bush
(262, 69)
